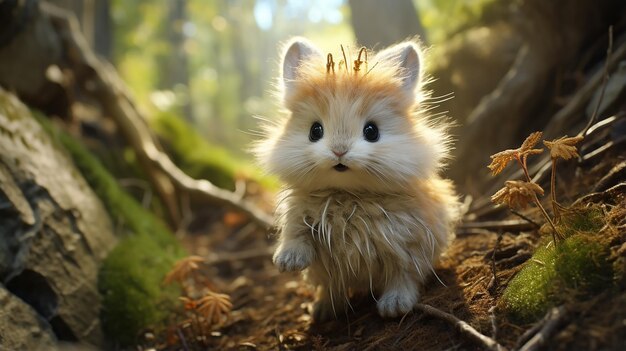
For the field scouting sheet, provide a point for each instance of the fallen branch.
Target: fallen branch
(104, 84)
(537, 336)
(463, 326)
(506, 225)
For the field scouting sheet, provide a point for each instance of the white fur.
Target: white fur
(379, 227)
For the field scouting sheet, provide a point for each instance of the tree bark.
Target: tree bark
(177, 64)
(378, 24)
(554, 36)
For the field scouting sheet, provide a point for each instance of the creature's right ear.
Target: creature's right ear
(299, 50)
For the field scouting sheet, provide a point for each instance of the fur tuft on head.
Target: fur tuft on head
(385, 93)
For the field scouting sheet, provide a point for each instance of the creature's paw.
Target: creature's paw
(293, 257)
(396, 303)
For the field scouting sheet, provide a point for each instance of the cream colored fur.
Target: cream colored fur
(378, 227)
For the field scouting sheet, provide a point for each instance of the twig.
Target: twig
(525, 218)
(506, 225)
(463, 326)
(181, 336)
(605, 80)
(494, 286)
(494, 323)
(536, 337)
(108, 90)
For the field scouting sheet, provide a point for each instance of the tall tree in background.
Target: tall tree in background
(94, 17)
(382, 23)
(177, 66)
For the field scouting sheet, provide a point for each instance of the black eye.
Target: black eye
(317, 132)
(370, 132)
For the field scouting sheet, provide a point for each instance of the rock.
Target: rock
(21, 328)
(54, 232)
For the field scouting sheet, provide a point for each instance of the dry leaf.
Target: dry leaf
(517, 194)
(214, 307)
(188, 303)
(531, 141)
(502, 158)
(563, 147)
(182, 269)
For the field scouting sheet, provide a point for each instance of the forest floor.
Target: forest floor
(270, 309)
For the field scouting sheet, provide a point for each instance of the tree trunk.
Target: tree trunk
(554, 37)
(103, 29)
(378, 24)
(177, 74)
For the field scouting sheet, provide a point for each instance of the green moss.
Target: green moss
(577, 268)
(585, 220)
(202, 160)
(130, 284)
(130, 277)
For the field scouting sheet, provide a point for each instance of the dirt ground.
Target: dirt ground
(270, 309)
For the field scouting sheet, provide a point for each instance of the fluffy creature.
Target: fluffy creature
(364, 209)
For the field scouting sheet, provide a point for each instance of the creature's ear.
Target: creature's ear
(299, 50)
(406, 57)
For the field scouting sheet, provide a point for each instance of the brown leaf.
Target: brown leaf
(188, 303)
(501, 159)
(563, 147)
(517, 194)
(182, 269)
(530, 141)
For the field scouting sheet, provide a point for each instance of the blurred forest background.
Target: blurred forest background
(212, 65)
(123, 134)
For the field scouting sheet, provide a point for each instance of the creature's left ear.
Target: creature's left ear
(406, 57)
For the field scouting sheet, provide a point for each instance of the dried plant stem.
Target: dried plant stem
(555, 232)
(524, 168)
(198, 330)
(525, 218)
(555, 204)
(182, 339)
(464, 327)
(494, 269)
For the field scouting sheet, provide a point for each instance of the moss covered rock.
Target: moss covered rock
(130, 279)
(54, 235)
(577, 268)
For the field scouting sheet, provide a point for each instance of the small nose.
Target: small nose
(339, 153)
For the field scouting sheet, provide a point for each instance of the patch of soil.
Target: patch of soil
(271, 309)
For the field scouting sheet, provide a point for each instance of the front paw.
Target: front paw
(396, 303)
(291, 258)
